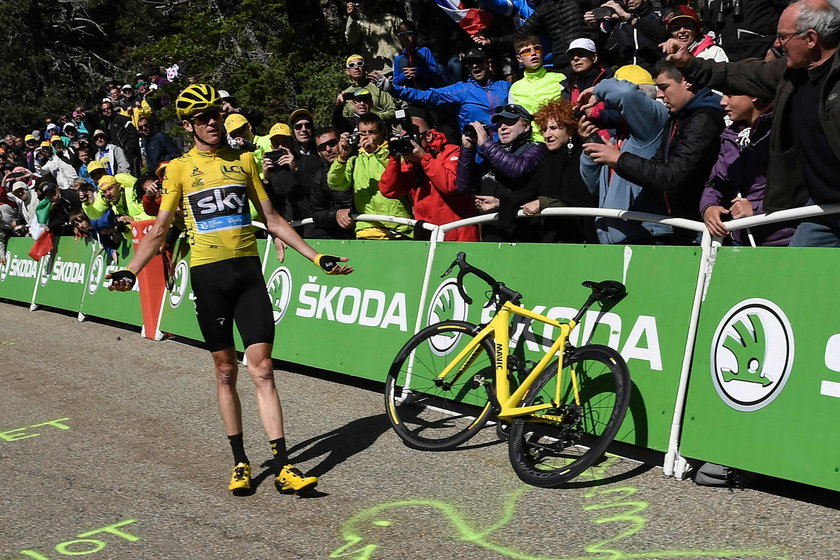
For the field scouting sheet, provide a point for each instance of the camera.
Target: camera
(604, 12)
(353, 139)
(401, 145)
(274, 156)
(470, 132)
(349, 96)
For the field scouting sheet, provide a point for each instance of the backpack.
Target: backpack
(712, 474)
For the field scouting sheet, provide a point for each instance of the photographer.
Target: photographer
(359, 169)
(633, 30)
(287, 195)
(362, 102)
(507, 167)
(422, 165)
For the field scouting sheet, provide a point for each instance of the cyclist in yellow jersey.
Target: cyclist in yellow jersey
(214, 185)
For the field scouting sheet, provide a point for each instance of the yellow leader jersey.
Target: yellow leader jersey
(214, 189)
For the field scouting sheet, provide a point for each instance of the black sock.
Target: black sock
(238, 448)
(281, 458)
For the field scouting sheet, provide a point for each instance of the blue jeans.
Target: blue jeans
(822, 233)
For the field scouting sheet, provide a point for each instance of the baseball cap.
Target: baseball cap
(235, 121)
(46, 188)
(362, 92)
(52, 126)
(299, 114)
(56, 139)
(223, 94)
(46, 144)
(583, 44)
(29, 137)
(280, 129)
(106, 181)
(511, 111)
(19, 186)
(127, 86)
(161, 169)
(37, 134)
(634, 74)
(684, 14)
(353, 58)
(95, 165)
(99, 132)
(475, 54)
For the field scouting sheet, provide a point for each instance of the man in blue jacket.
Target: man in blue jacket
(673, 179)
(476, 98)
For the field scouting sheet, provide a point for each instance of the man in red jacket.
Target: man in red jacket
(427, 174)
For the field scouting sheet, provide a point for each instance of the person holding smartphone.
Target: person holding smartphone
(280, 166)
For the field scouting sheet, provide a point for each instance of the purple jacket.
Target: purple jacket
(742, 171)
(504, 168)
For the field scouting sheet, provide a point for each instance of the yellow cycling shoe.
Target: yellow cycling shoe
(240, 479)
(291, 479)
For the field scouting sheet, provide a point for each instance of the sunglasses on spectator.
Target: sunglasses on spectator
(530, 50)
(356, 64)
(206, 117)
(142, 126)
(302, 125)
(328, 144)
(510, 108)
(405, 33)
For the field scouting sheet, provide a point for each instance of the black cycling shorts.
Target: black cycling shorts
(228, 290)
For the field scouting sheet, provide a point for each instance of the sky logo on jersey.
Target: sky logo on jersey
(220, 208)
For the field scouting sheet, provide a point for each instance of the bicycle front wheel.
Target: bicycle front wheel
(556, 445)
(436, 414)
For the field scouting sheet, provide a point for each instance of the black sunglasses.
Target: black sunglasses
(328, 144)
(510, 108)
(204, 118)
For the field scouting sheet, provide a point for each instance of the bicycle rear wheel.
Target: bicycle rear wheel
(430, 415)
(556, 445)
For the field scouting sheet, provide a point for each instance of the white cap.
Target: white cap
(584, 44)
(224, 94)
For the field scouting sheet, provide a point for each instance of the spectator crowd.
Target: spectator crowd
(708, 110)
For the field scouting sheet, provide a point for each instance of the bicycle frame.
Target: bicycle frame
(499, 329)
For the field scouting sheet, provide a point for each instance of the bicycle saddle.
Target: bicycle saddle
(606, 289)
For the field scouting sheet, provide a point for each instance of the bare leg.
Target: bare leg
(226, 368)
(261, 369)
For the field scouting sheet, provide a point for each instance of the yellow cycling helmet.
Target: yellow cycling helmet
(196, 99)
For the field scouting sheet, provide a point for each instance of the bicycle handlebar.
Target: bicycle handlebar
(501, 293)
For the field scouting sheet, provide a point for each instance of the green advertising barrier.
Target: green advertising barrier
(178, 314)
(649, 327)
(19, 273)
(353, 324)
(62, 274)
(764, 393)
(98, 301)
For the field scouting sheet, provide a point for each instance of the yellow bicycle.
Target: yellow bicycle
(451, 377)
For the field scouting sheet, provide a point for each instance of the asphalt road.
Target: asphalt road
(111, 447)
